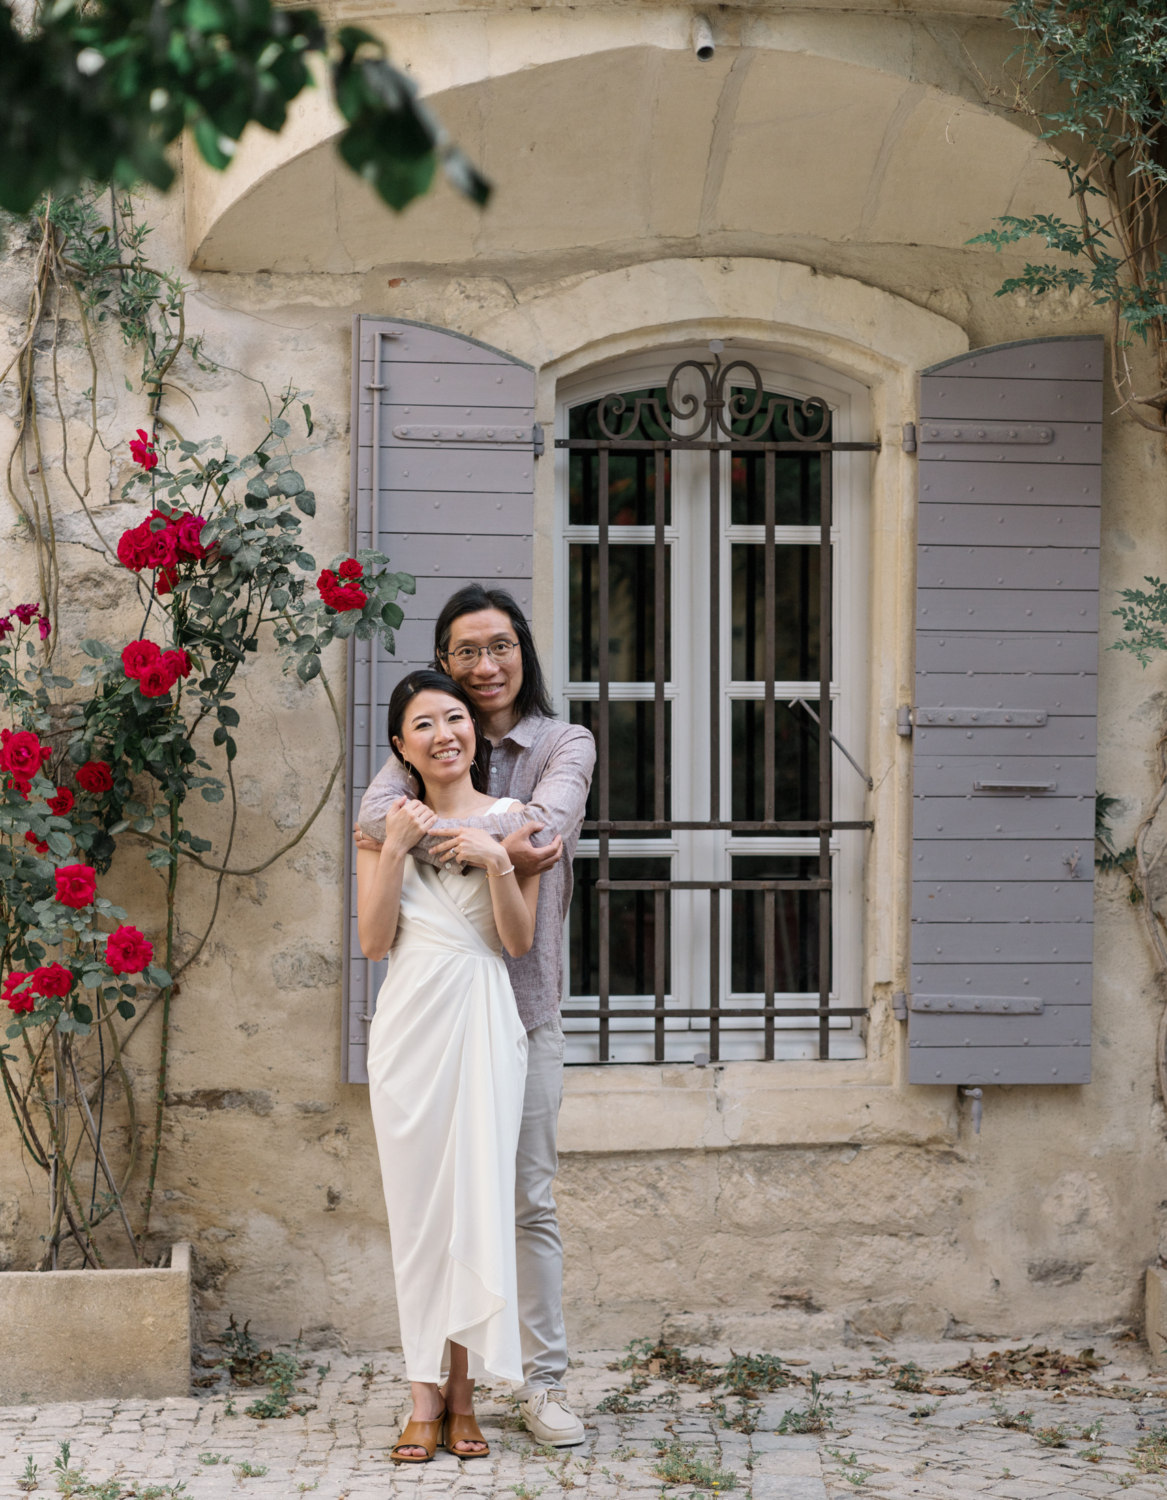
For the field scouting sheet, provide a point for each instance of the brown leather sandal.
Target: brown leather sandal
(427, 1435)
(464, 1429)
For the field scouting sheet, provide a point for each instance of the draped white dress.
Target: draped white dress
(447, 1068)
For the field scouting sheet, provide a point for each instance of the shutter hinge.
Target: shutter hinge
(984, 432)
(966, 718)
(899, 1005)
(909, 442)
(976, 1096)
(985, 1005)
(537, 439)
(904, 721)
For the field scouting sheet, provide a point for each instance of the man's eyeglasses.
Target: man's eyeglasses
(467, 656)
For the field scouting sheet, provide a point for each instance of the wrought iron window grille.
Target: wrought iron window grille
(626, 428)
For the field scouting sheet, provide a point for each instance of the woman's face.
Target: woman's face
(438, 738)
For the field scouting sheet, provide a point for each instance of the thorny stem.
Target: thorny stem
(99, 1155)
(167, 994)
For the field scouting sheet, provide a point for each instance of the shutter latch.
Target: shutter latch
(537, 439)
(904, 721)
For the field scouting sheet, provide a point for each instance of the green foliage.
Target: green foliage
(814, 1416)
(96, 93)
(909, 1377)
(1109, 61)
(73, 1484)
(680, 1464)
(756, 1372)
(850, 1468)
(1021, 1421)
(28, 1480)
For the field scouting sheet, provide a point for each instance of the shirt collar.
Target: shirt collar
(525, 733)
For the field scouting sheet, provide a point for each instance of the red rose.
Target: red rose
(37, 844)
(44, 627)
(177, 662)
(156, 681)
(76, 885)
(18, 784)
(127, 951)
(132, 547)
(52, 979)
(62, 803)
(340, 597)
(162, 548)
(350, 568)
(95, 776)
(139, 655)
(189, 542)
(22, 754)
(6, 626)
(142, 451)
(18, 981)
(26, 613)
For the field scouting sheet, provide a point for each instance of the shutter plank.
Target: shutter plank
(1007, 614)
(1072, 776)
(1002, 818)
(1029, 525)
(1033, 565)
(958, 398)
(1044, 359)
(1006, 650)
(1001, 1064)
(997, 900)
(449, 511)
(1007, 609)
(966, 480)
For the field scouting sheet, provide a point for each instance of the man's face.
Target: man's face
(492, 685)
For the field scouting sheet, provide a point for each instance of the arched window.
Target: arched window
(681, 578)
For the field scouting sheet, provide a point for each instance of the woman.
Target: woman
(447, 1064)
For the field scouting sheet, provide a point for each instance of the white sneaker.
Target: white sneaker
(550, 1420)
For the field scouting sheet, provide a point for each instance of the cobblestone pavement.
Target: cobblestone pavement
(881, 1441)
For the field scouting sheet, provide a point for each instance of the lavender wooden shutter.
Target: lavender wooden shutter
(443, 468)
(1010, 444)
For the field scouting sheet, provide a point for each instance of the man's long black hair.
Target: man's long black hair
(533, 695)
(426, 680)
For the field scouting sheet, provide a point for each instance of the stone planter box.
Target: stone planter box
(84, 1335)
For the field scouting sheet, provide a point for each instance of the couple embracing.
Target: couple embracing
(465, 1049)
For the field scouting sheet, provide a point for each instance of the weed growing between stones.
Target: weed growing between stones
(72, 1484)
(909, 1377)
(678, 1464)
(815, 1416)
(248, 1470)
(850, 1468)
(245, 1363)
(525, 1492)
(28, 1480)
(210, 1459)
(1150, 1455)
(1053, 1437)
(1021, 1421)
(750, 1373)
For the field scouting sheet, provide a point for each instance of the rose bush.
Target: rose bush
(220, 568)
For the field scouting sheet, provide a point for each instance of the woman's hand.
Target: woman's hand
(406, 822)
(473, 846)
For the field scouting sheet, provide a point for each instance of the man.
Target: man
(482, 639)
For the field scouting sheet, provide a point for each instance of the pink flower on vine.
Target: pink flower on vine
(142, 451)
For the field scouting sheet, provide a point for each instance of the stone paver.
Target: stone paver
(881, 1442)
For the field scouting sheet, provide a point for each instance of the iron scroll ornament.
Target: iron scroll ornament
(720, 411)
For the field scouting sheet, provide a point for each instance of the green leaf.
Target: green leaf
(96, 648)
(306, 502)
(290, 483)
(393, 615)
(212, 794)
(82, 1012)
(126, 1010)
(255, 502)
(228, 715)
(307, 668)
(258, 487)
(306, 561)
(59, 843)
(307, 410)
(157, 976)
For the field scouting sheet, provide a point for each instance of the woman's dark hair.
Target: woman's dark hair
(426, 680)
(533, 695)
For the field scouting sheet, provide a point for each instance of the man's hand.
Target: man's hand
(526, 858)
(363, 841)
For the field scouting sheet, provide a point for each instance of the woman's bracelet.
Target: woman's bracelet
(510, 870)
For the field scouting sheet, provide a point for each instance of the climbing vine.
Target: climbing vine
(130, 746)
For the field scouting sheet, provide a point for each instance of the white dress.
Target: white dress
(447, 1068)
